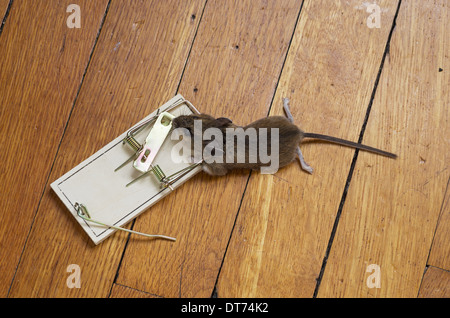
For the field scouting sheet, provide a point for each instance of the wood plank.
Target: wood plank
(136, 67)
(233, 70)
(392, 206)
(440, 250)
(435, 284)
(285, 220)
(41, 67)
(119, 291)
(3, 7)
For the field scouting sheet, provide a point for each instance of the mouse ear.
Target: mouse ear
(223, 121)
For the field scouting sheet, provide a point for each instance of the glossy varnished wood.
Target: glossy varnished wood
(135, 68)
(41, 67)
(65, 93)
(435, 283)
(392, 208)
(279, 242)
(233, 69)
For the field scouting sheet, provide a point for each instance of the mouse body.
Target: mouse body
(266, 144)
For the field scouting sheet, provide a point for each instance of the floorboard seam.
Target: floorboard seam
(447, 188)
(427, 265)
(178, 87)
(190, 50)
(8, 8)
(59, 146)
(214, 293)
(355, 156)
(285, 57)
(140, 291)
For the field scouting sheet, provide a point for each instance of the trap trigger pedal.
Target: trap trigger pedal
(153, 142)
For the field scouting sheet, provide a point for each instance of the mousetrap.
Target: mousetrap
(128, 175)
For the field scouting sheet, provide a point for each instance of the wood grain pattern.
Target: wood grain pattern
(119, 291)
(136, 66)
(440, 250)
(236, 59)
(392, 207)
(233, 70)
(435, 284)
(3, 7)
(39, 79)
(285, 220)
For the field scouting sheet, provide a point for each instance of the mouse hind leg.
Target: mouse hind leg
(303, 163)
(287, 110)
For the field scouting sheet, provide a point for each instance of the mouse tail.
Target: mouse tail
(352, 144)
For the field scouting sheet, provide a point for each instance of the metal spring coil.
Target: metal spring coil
(159, 174)
(133, 143)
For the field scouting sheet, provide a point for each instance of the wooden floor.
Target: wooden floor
(361, 226)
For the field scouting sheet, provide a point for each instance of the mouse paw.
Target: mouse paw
(307, 168)
(303, 163)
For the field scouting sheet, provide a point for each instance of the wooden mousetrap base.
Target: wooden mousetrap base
(96, 185)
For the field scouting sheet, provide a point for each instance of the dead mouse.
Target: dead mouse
(216, 142)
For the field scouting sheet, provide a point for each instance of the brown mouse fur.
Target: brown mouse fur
(290, 136)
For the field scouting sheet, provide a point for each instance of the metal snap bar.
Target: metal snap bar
(167, 182)
(83, 213)
(154, 141)
(130, 138)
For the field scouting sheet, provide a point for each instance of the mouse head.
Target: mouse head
(207, 121)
